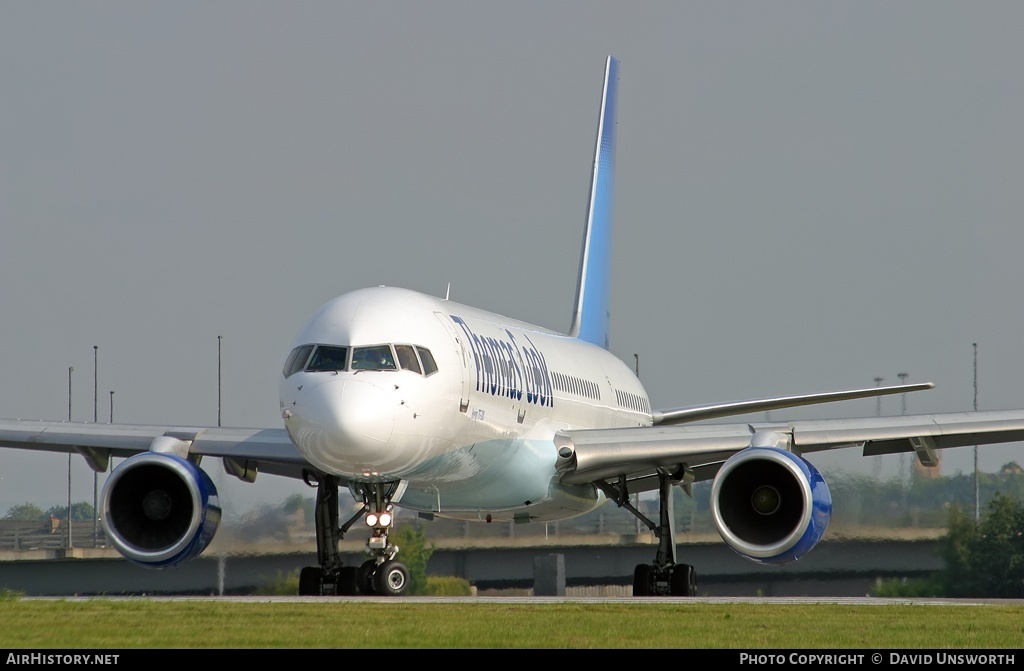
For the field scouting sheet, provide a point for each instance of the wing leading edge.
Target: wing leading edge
(245, 451)
(732, 408)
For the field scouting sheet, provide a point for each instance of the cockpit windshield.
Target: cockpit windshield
(334, 358)
(328, 358)
(407, 358)
(297, 360)
(378, 357)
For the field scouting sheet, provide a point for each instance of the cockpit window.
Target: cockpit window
(407, 358)
(378, 357)
(297, 360)
(429, 367)
(334, 358)
(328, 358)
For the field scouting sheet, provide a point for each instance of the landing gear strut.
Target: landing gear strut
(382, 574)
(664, 577)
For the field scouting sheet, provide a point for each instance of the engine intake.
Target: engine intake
(160, 510)
(769, 505)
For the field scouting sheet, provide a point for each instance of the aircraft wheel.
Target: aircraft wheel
(348, 581)
(309, 581)
(364, 577)
(642, 578)
(391, 578)
(684, 580)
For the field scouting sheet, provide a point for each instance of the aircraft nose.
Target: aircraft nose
(341, 425)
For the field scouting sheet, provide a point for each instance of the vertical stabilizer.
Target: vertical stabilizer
(590, 316)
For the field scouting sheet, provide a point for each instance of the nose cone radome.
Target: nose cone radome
(343, 425)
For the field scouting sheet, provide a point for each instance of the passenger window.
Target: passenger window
(429, 367)
(378, 357)
(328, 358)
(407, 358)
(296, 360)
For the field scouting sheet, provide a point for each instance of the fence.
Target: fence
(34, 535)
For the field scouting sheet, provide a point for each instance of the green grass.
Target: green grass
(145, 623)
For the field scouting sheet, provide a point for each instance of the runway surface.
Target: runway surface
(540, 600)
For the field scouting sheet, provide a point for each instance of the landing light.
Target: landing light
(380, 520)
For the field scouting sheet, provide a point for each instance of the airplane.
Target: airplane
(410, 400)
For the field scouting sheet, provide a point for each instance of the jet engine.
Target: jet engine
(160, 510)
(770, 506)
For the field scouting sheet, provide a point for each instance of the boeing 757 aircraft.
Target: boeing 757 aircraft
(410, 400)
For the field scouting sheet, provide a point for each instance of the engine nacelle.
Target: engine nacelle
(160, 510)
(770, 506)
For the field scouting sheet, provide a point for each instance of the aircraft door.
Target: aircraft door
(463, 353)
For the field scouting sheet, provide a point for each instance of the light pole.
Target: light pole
(219, 338)
(977, 511)
(903, 397)
(904, 461)
(71, 369)
(877, 464)
(95, 420)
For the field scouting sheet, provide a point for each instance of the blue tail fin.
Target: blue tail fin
(590, 318)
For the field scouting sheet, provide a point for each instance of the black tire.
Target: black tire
(391, 578)
(684, 580)
(348, 581)
(364, 577)
(642, 575)
(309, 581)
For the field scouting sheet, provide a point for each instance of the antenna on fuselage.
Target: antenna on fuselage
(448, 291)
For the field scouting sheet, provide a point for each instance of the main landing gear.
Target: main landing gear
(664, 577)
(380, 575)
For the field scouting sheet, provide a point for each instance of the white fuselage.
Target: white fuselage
(474, 438)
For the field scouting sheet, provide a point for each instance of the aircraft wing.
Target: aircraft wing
(731, 408)
(245, 451)
(696, 452)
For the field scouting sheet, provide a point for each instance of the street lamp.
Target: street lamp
(904, 459)
(977, 511)
(71, 369)
(95, 420)
(903, 397)
(877, 464)
(219, 338)
(878, 399)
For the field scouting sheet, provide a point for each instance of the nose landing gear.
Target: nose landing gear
(380, 575)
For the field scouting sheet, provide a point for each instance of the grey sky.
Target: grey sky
(808, 195)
